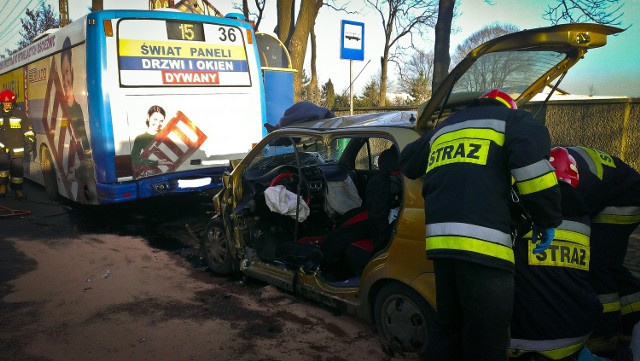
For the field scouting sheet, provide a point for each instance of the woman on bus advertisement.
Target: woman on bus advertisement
(165, 145)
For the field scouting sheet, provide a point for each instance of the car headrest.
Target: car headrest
(388, 160)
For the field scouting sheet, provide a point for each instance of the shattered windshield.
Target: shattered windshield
(289, 150)
(512, 71)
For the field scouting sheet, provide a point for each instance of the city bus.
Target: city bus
(132, 104)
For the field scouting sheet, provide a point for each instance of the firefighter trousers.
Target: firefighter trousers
(11, 168)
(617, 287)
(474, 307)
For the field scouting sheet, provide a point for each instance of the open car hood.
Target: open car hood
(521, 64)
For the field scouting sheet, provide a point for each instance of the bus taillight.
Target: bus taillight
(108, 29)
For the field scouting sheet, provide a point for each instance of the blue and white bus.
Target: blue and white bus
(129, 104)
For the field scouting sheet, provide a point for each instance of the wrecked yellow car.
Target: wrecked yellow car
(301, 183)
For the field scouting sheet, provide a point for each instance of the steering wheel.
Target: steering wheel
(290, 181)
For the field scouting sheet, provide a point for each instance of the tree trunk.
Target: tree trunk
(313, 83)
(298, 44)
(441, 56)
(384, 60)
(284, 29)
(96, 5)
(245, 9)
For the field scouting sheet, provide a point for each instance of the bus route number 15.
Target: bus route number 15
(185, 31)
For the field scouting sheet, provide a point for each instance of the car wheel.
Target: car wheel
(215, 248)
(403, 319)
(49, 174)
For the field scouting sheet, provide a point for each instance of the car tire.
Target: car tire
(215, 248)
(403, 319)
(49, 175)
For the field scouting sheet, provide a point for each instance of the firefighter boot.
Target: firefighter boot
(4, 182)
(16, 185)
(19, 194)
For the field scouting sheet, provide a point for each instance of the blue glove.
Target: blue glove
(545, 235)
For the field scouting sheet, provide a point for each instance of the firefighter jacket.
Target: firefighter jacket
(555, 308)
(14, 127)
(468, 161)
(609, 186)
(611, 190)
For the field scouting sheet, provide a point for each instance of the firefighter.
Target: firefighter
(468, 162)
(611, 190)
(15, 134)
(555, 308)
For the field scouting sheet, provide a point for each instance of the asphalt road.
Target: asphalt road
(162, 221)
(125, 282)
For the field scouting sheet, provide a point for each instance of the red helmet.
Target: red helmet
(7, 96)
(502, 97)
(565, 165)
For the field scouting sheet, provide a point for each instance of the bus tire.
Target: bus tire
(215, 248)
(49, 175)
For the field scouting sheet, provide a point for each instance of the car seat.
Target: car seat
(384, 193)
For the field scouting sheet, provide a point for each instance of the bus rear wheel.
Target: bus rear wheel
(49, 174)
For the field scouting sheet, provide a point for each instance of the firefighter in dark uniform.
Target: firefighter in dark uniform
(555, 307)
(15, 130)
(611, 190)
(468, 162)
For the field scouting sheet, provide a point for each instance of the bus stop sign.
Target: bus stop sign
(352, 42)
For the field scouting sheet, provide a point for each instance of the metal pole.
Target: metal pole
(350, 87)
(63, 6)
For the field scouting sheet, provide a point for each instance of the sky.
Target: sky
(611, 70)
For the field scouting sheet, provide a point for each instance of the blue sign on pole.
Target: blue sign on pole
(352, 42)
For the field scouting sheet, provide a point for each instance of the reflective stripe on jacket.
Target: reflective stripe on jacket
(610, 302)
(552, 349)
(618, 215)
(470, 238)
(13, 126)
(630, 303)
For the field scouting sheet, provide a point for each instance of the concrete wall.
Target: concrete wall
(612, 125)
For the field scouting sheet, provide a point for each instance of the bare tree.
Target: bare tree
(295, 34)
(599, 11)
(255, 17)
(400, 18)
(593, 11)
(481, 36)
(415, 75)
